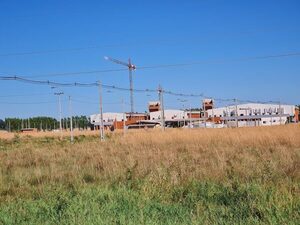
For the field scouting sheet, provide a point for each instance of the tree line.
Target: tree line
(44, 123)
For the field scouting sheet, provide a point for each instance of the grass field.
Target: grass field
(207, 176)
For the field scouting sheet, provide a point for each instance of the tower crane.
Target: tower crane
(130, 67)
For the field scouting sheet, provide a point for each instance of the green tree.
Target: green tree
(2, 125)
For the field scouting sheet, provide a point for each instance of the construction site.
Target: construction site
(240, 115)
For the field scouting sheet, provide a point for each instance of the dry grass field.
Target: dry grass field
(223, 176)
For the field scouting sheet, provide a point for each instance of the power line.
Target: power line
(27, 103)
(243, 59)
(167, 42)
(23, 95)
(73, 73)
(96, 84)
(291, 54)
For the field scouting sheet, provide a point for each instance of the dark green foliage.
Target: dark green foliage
(44, 123)
(2, 125)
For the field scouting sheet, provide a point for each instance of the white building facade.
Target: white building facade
(170, 114)
(253, 114)
(108, 118)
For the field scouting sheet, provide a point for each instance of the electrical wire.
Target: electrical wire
(96, 84)
(167, 42)
(27, 103)
(244, 59)
(291, 54)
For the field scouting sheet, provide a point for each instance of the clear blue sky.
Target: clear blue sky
(151, 33)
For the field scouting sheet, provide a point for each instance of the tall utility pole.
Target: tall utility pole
(130, 67)
(236, 112)
(124, 116)
(101, 112)
(162, 110)
(190, 116)
(71, 120)
(280, 112)
(204, 110)
(60, 110)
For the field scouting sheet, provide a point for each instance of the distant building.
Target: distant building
(116, 120)
(253, 114)
(230, 116)
(207, 104)
(153, 106)
(170, 114)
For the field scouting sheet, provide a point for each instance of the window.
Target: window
(264, 122)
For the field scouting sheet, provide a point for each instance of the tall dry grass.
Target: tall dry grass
(10, 135)
(264, 154)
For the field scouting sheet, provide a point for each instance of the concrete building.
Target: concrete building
(253, 114)
(154, 106)
(170, 114)
(108, 118)
(116, 120)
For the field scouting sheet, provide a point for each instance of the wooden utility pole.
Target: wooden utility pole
(162, 109)
(101, 112)
(236, 113)
(280, 112)
(71, 120)
(124, 116)
(204, 110)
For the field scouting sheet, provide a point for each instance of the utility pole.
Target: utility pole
(60, 111)
(162, 110)
(124, 116)
(204, 109)
(200, 112)
(71, 121)
(190, 116)
(101, 112)
(183, 115)
(236, 113)
(280, 112)
(213, 115)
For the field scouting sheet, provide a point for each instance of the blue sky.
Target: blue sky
(151, 33)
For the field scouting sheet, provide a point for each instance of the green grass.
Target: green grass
(207, 177)
(193, 203)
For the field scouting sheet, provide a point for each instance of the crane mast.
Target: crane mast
(130, 67)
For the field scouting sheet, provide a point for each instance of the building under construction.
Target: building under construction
(239, 115)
